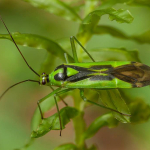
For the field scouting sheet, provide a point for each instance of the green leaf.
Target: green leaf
(47, 103)
(69, 146)
(56, 7)
(104, 29)
(110, 3)
(52, 122)
(48, 65)
(121, 16)
(143, 38)
(92, 19)
(98, 123)
(27, 145)
(38, 42)
(45, 106)
(140, 111)
(112, 99)
(140, 2)
(118, 54)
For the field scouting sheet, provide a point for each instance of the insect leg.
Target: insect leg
(60, 97)
(74, 38)
(58, 114)
(55, 93)
(86, 100)
(66, 58)
(44, 98)
(74, 52)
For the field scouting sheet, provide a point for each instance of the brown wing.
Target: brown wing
(135, 73)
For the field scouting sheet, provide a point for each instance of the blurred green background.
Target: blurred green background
(18, 105)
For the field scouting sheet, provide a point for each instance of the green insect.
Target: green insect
(94, 75)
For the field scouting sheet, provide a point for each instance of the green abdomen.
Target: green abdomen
(100, 84)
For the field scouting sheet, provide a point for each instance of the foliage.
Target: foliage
(52, 122)
(92, 11)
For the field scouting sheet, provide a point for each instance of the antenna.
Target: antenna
(18, 48)
(17, 84)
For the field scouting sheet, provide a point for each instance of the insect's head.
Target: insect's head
(44, 79)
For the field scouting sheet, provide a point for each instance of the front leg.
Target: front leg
(55, 93)
(74, 51)
(44, 98)
(72, 39)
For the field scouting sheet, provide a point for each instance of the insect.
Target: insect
(94, 75)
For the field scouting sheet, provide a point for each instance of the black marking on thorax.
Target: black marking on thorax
(60, 66)
(101, 77)
(83, 73)
(99, 67)
(61, 76)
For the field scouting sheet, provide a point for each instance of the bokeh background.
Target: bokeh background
(19, 104)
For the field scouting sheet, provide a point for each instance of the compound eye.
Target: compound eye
(43, 82)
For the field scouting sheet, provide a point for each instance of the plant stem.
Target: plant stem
(79, 122)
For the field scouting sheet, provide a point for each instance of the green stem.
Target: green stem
(79, 122)
(27, 145)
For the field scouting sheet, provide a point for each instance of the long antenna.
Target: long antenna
(18, 48)
(17, 84)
